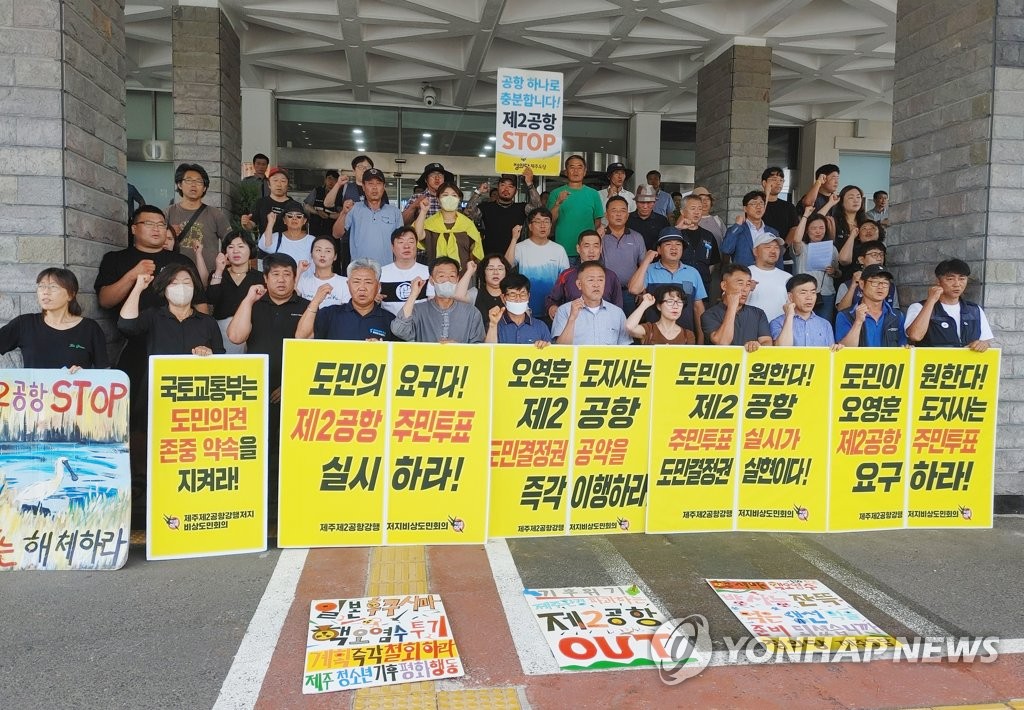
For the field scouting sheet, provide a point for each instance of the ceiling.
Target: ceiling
(831, 59)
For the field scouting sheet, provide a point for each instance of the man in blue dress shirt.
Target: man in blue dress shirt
(799, 324)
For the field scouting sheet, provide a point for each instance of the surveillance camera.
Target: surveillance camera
(429, 96)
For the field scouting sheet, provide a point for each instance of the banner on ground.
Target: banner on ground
(65, 479)
(799, 615)
(528, 122)
(597, 628)
(374, 641)
(207, 456)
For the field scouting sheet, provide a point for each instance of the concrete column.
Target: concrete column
(732, 124)
(62, 143)
(644, 145)
(957, 178)
(259, 124)
(207, 101)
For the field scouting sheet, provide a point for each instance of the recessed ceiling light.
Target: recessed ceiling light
(423, 152)
(482, 155)
(426, 135)
(357, 131)
(424, 145)
(492, 138)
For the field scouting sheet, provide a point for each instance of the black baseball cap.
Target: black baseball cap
(874, 271)
(374, 174)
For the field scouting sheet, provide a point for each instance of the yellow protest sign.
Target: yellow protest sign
(333, 439)
(207, 456)
(784, 449)
(952, 445)
(439, 444)
(694, 439)
(870, 409)
(612, 413)
(530, 438)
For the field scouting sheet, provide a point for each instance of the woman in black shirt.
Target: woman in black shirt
(176, 328)
(59, 336)
(226, 294)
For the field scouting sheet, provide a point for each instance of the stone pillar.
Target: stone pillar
(259, 124)
(644, 145)
(63, 194)
(732, 125)
(207, 102)
(957, 178)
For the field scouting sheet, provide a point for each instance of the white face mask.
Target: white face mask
(445, 289)
(449, 203)
(517, 308)
(179, 294)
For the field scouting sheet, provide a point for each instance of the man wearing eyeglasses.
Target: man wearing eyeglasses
(117, 275)
(207, 225)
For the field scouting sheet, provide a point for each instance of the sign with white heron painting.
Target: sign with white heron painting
(65, 480)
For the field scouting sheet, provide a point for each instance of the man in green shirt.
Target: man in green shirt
(574, 206)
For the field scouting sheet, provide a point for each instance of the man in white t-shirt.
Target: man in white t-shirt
(396, 277)
(769, 292)
(538, 257)
(945, 319)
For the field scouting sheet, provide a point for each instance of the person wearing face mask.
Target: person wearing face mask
(441, 319)
(177, 328)
(510, 323)
(448, 232)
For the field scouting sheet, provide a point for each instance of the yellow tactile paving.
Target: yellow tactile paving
(397, 570)
(1016, 703)
(982, 706)
(406, 696)
(482, 699)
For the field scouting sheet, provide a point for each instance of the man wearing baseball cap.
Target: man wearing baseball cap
(498, 217)
(368, 224)
(769, 292)
(874, 323)
(670, 269)
(644, 220)
(617, 174)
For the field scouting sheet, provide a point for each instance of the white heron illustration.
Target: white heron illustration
(31, 497)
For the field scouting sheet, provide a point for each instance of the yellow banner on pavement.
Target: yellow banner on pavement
(694, 439)
(784, 448)
(207, 456)
(952, 444)
(530, 436)
(870, 409)
(612, 414)
(440, 425)
(334, 430)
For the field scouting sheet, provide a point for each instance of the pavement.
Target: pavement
(229, 632)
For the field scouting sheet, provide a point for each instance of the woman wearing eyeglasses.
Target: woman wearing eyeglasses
(670, 301)
(59, 336)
